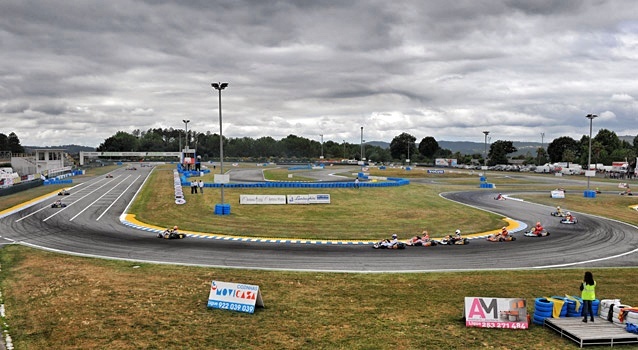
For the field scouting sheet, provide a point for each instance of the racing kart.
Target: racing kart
(419, 242)
(170, 234)
(556, 213)
(453, 241)
(109, 176)
(379, 245)
(63, 193)
(532, 233)
(58, 205)
(569, 222)
(500, 238)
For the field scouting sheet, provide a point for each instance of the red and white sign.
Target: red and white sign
(509, 313)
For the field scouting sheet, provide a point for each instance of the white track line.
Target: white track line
(100, 197)
(118, 197)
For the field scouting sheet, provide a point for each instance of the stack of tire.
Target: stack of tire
(573, 310)
(611, 307)
(543, 309)
(177, 183)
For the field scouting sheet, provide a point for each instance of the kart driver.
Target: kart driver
(390, 243)
(58, 202)
(559, 211)
(504, 233)
(538, 229)
(569, 217)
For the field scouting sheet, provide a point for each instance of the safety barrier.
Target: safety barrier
(222, 209)
(571, 307)
(589, 194)
(57, 181)
(391, 182)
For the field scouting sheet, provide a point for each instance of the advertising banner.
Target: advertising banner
(261, 199)
(222, 178)
(483, 312)
(308, 199)
(437, 171)
(557, 194)
(447, 162)
(234, 296)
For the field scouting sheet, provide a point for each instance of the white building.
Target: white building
(48, 162)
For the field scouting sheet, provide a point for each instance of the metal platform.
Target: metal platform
(600, 332)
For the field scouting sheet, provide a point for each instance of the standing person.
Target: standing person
(588, 294)
(356, 182)
(193, 187)
(201, 186)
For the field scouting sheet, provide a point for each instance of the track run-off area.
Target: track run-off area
(94, 224)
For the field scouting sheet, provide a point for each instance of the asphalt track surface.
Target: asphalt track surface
(90, 226)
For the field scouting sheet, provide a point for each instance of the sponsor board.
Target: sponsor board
(308, 199)
(437, 171)
(508, 313)
(261, 199)
(447, 162)
(222, 178)
(558, 194)
(234, 296)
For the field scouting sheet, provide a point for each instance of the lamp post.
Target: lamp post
(219, 87)
(542, 147)
(485, 150)
(362, 143)
(186, 121)
(409, 144)
(321, 146)
(344, 149)
(591, 118)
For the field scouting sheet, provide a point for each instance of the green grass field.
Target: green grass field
(67, 302)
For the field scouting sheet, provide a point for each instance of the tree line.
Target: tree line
(606, 147)
(10, 143)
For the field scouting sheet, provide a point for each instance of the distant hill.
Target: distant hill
(468, 147)
(71, 149)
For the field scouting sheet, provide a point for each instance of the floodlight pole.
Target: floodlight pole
(591, 118)
(485, 150)
(362, 144)
(219, 87)
(321, 146)
(186, 137)
(344, 149)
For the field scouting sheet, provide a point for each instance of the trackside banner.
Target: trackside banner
(261, 199)
(234, 296)
(308, 199)
(509, 313)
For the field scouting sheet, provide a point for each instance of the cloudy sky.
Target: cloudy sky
(76, 72)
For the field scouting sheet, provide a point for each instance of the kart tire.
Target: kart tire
(513, 239)
(167, 235)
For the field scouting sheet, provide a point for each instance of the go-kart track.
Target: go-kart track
(90, 226)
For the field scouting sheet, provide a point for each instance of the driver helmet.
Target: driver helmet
(568, 213)
(458, 232)
(394, 235)
(558, 207)
(174, 227)
(538, 223)
(504, 228)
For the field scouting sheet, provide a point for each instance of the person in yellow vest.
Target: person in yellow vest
(588, 294)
